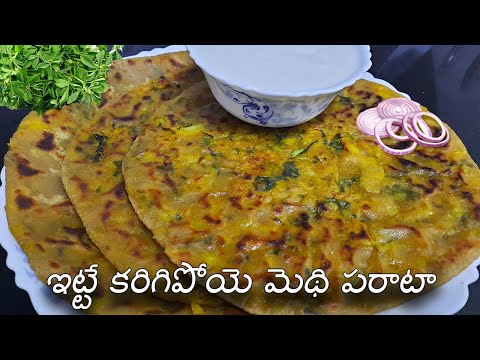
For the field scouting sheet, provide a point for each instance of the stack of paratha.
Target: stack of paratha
(41, 216)
(160, 174)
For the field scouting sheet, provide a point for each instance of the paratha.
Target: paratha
(41, 216)
(127, 74)
(321, 195)
(43, 220)
(93, 177)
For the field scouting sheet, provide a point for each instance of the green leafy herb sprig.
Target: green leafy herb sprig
(42, 77)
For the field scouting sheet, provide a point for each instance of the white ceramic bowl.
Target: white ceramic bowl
(271, 109)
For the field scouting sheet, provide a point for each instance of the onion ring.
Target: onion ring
(394, 114)
(419, 132)
(397, 108)
(408, 129)
(383, 124)
(391, 131)
(367, 122)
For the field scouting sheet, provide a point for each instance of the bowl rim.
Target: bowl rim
(365, 65)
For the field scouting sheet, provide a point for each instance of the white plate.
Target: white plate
(447, 299)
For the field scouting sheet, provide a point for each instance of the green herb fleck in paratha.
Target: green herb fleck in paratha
(346, 183)
(302, 151)
(118, 165)
(166, 166)
(280, 135)
(403, 192)
(345, 100)
(264, 183)
(102, 143)
(342, 204)
(336, 143)
(290, 170)
(207, 139)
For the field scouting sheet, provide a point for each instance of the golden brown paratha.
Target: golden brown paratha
(41, 216)
(321, 195)
(94, 182)
(43, 220)
(127, 74)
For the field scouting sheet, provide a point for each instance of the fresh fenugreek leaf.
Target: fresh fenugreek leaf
(61, 83)
(42, 77)
(73, 97)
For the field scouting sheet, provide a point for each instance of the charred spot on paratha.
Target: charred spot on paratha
(47, 142)
(24, 168)
(119, 191)
(176, 63)
(82, 186)
(66, 242)
(24, 202)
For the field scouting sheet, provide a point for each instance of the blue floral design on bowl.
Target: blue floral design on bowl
(272, 108)
(253, 108)
(266, 111)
